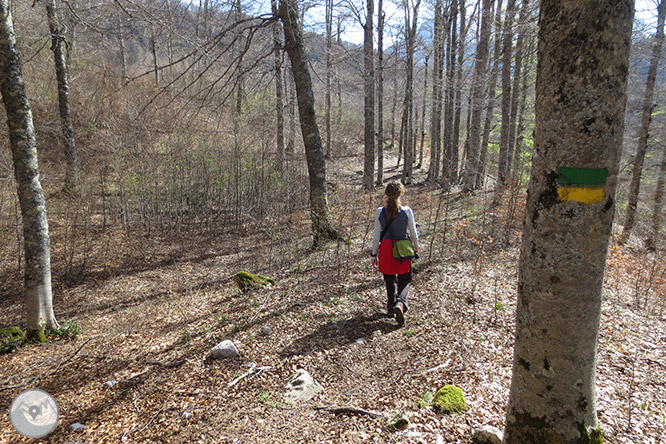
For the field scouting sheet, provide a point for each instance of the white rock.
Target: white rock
(302, 386)
(225, 349)
(488, 435)
(111, 383)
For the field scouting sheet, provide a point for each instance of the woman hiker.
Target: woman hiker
(401, 225)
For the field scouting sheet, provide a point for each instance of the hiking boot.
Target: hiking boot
(399, 316)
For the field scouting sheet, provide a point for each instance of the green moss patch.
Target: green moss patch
(450, 399)
(11, 338)
(247, 281)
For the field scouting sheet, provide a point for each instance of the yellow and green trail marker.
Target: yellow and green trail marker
(583, 185)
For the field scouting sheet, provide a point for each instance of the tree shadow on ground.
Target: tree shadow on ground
(339, 333)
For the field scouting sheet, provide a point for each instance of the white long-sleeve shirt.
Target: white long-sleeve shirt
(411, 229)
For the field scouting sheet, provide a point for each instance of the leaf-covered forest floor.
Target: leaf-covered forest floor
(152, 308)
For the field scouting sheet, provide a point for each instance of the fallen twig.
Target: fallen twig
(23, 384)
(439, 367)
(350, 410)
(251, 373)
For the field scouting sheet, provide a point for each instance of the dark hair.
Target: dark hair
(393, 192)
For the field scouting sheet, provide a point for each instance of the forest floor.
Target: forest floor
(152, 308)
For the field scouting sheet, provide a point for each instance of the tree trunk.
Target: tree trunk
(569, 213)
(410, 35)
(515, 89)
(652, 239)
(507, 52)
(457, 104)
(515, 169)
(480, 68)
(57, 46)
(279, 93)
(321, 225)
(492, 83)
(153, 51)
(291, 109)
(643, 135)
(369, 100)
(449, 113)
(37, 276)
(329, 68)
(121, 44)
(423, 113)
(437, 80)
(380, 92)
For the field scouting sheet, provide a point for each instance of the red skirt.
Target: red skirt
(387, 264)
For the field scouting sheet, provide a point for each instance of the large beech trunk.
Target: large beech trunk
(37, 278)
(571, 200)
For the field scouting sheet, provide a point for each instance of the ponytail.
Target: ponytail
(393, 192)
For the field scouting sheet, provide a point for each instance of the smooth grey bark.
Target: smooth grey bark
(279, 90)
(37, 275)
(478, 87)
(64, 104)
(520, 127)
(408, 111)
(449, 109)
(369, 99)
(423, 113)
(643, 133)
(457, 101)
(291, 112)
(507, 53)
(657, 207)
(329, 68)
(492, 83)
(515, 89)
(437, 91)
(579, 124)
(380, 91)
(319, 214)
(121, 44)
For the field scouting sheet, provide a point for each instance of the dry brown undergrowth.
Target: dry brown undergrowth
(152, 309)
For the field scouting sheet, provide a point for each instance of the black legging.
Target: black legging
(402, 282)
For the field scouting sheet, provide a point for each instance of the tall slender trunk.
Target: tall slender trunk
(64, 104)
(458, 94)
(568, 220)
(369, 99)
(507, 53)
(492, 83)
(329, 68)
(515, 169)
(279, 90)
(410, 34)
(291, 111)
(449, 102)
(153, 51)
(478, 85)
(380, 91)
(121, 44)
(319, 214)
(652, 239)
(437, 80)
(37, 275)
(423, 113)
(515, 89)
(394, 103)
(646, 117)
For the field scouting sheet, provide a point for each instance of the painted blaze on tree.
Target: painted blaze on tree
(580, 103)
